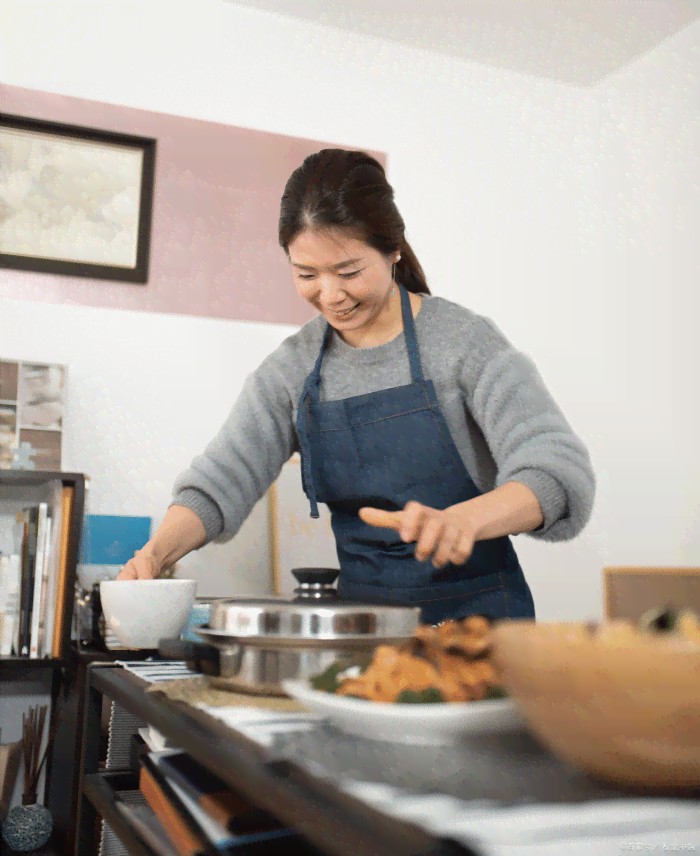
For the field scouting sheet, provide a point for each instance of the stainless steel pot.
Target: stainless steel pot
(253, 644)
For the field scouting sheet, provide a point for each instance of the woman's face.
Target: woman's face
(335, 273)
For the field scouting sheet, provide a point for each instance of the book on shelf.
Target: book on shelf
(59, 610)
(39, 561)
(219, 820)
(147, 826)
(34, 540)
(180, 829)
(214, 796)
(29, 543)
(42, 644)
(10, 574)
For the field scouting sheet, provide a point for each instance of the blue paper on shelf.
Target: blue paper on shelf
(112, 539)
(199, 615)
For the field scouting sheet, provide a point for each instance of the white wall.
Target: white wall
(129, 426)
(522, 198)
(647, 220)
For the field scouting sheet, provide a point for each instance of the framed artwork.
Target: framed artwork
(75, 201)
(31, 415)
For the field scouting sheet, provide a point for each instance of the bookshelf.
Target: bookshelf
(21, 486)
(18, 484)
(29, 662)
(328, 822)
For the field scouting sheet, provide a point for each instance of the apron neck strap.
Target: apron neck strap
(313, 382)
(409, 329)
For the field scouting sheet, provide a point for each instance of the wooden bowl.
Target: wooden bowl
(624, 707)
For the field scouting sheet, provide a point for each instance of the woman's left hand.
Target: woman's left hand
(447, 536)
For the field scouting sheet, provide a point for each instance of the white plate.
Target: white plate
(436, 724)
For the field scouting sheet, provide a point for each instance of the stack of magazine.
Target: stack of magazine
(34, 534)
(188, 810)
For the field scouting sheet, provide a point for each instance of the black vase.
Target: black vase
(27, 827)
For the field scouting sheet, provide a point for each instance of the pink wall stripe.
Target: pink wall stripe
(214, 250)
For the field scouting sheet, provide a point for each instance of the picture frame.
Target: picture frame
(75, 201)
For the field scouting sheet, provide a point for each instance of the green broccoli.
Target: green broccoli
(429, 696)
(327, 681)
(495, 692)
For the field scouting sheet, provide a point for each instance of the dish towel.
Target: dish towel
(605, 828)
(257, 724)
(260, 725)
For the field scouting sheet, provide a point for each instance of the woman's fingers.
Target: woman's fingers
(436, 534)
(463, 548)
(446, 546)
(414, 518)
(128, 572)
(429, 538)
(384, 519)
(141, 567)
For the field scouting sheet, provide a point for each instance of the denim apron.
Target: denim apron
(381, 450)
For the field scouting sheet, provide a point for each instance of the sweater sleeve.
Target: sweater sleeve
(528, 435)
(223, 484)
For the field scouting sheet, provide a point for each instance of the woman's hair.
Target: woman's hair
(335, 188)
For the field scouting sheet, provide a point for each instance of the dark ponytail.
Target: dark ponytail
(336, 188)
(409, 271)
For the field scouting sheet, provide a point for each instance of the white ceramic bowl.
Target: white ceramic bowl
(142, 612)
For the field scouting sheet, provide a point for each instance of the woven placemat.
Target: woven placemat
(197, 690)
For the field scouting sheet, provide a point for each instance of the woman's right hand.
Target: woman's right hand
(144, 566)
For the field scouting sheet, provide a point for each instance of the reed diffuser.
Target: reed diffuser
(32, 737)
(28, 826)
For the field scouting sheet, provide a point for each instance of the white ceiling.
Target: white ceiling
(578, 42)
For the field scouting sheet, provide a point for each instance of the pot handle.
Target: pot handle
(198, 656)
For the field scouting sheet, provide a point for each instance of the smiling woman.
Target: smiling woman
(350, 283)
(345, 238)
(430, 438)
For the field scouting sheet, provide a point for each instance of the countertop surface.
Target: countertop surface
(498, 795)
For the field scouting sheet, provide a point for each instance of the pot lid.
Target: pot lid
(316, 612)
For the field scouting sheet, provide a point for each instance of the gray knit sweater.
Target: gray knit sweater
(503, 420)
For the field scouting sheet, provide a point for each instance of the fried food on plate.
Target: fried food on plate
(444, 663)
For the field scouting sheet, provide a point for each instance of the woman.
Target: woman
(430, 438)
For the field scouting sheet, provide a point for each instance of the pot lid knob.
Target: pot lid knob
(316, 576)
(315, 584)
